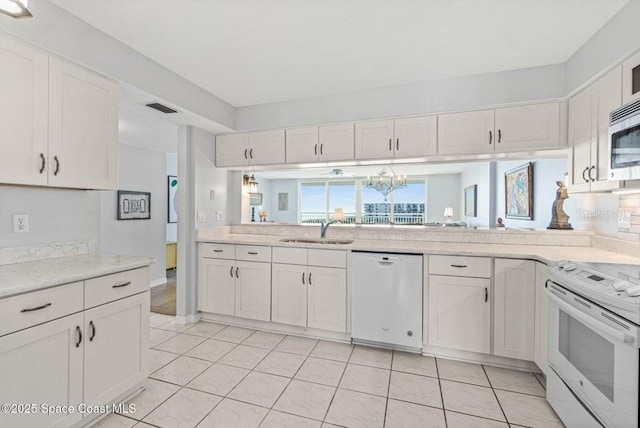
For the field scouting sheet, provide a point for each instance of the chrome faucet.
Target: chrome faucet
(324, 227)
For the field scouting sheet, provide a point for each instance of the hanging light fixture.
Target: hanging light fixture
(386, 181)
(248, 181)
(15, 8)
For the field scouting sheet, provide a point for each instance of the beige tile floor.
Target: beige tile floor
(215, 376)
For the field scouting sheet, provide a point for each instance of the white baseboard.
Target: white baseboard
(159, 281)
(189, 319)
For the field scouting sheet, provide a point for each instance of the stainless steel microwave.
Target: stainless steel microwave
(624, 143)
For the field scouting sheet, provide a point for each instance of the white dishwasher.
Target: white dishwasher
(386, 308)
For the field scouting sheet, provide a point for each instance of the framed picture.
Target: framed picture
(172, 199)
(134, 205)
(518, 192)
(283, 201)
(470, 201)
(255, 199)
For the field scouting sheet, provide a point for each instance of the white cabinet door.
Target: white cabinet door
(24, 86)
(83, 128)
(116, 348)
(416, 136)
(232, 149)
(606, 96)
(266, 147)
(467, 133)
(327, 299)
(336, 142)
(253, 290)
(43, 365)
(289, 294)
(302, 144)
(514, 308)
(374, 139)
(527, 128)
(460, 313)
(541, 317)
(631, 79)
(580, 141)
(216, 286)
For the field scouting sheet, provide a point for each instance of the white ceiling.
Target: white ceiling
(260, 51)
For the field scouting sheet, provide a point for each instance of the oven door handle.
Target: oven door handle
(591, 322)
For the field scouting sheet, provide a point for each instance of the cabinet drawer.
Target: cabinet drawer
(292, 256)
(218, 251)
(98, 291)
(26, 310)
(328, 258)
(477, 267)
(253, 253)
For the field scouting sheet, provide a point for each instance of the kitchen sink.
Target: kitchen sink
(317, 241)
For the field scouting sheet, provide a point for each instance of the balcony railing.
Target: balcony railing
(350, 218)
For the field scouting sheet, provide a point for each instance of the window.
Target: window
(319, 199)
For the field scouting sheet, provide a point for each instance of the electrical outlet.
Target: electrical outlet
(219, 215)
(212, 195)
(20, 223)
(202, 216)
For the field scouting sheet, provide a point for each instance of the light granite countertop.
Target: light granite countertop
(19, 278)
(544, 253)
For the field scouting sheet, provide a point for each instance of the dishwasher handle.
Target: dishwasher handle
(386, 260)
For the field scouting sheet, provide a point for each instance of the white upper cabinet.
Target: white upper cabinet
(408, 137)
(320, 143)
(509, 129)
(466, 133)
(374, 139)
(23, 109)
(631, 79)
(416, 136)
(589, 133)
(525, 128)
(83, 128)
(250, 148)
(302, 144)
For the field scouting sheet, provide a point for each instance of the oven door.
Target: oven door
(624, 149)
(596, 355)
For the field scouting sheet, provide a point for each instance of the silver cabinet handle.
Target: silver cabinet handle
(93, 331)
(57, 170)
(37, 308)
(121, 285)
(486, 294)
(79, 333)
(43, 163)
(459, 266)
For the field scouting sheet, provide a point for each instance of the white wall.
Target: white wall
(144, 171)
(55, 215)
(207, 178)
(479, 174)
(283, 186)
(442, 192)
(437, 95)
(545, 174)
(172, 169)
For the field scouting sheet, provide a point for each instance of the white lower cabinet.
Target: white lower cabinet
(289, 294)
(217, 286)
(253, 290)
(43, 365)
(514, 307)
(541, 317)
(327, 300)
(116, 340)
(93, 356)
(460, 313)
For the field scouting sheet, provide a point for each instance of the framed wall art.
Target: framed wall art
(471, 201)
(134, 205)
(518, 192)
(172, 199)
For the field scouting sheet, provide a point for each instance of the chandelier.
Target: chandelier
(386, 181)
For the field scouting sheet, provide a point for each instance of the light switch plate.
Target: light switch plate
(20, 223)
(212, 195)
(202, 216)
(219, 215)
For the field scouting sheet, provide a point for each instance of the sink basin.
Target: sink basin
(317, 241)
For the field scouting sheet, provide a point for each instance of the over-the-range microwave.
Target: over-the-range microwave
(624, 142)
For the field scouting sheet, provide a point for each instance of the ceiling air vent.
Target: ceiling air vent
(162, 108)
